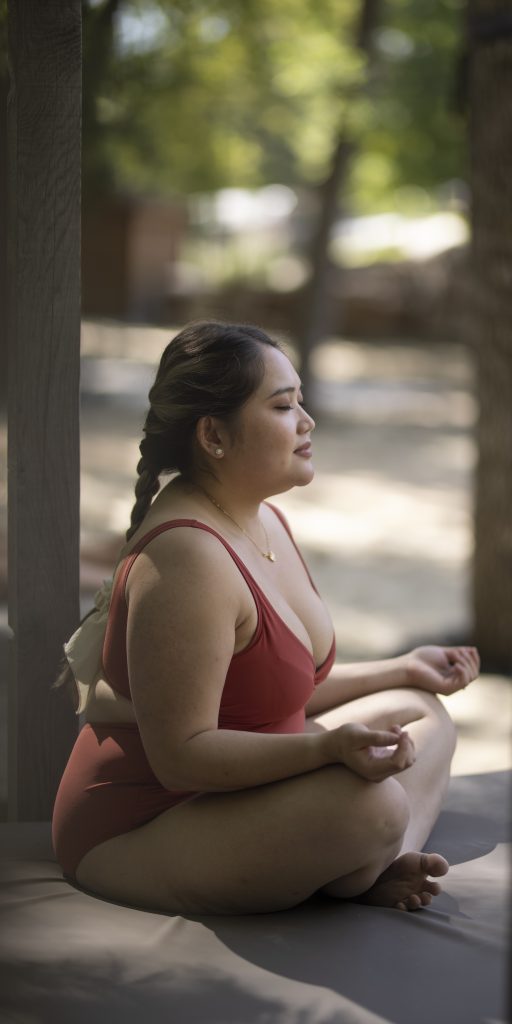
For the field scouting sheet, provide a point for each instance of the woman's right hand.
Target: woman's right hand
(375, 754)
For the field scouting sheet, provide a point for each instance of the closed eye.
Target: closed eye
(286, 408)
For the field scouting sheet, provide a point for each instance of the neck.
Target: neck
(242, 506)
(241, 512)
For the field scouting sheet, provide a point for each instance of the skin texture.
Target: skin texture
(345, 807)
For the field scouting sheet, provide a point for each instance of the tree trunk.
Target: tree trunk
(316, 314)
(490, 90)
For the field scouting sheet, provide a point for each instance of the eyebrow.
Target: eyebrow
(285, 391)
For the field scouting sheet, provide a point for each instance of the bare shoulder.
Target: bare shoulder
(183, 606)
(180, 562)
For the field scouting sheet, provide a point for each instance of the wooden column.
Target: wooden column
(490, 93)
(43, 272)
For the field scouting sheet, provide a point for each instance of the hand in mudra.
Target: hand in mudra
(375, 754)
(442, 669)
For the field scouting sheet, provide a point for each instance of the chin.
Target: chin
(298, 480)
(306, 479)
(305, 475)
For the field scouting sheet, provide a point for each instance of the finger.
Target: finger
(475, 661)
(401, 760)
(469, 658)
(405, 746)
(381, 737)
(464, 658)
(458, 655)
(403, 757)
(459, 677)
(397, 729)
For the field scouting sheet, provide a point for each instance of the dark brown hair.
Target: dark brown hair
(209, 369)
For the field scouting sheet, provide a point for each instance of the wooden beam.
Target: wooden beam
(490, 85)
(44, 115)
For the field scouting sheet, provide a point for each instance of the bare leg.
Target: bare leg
(256, 850)
(405, 883)
(270, 847)
(433, 734)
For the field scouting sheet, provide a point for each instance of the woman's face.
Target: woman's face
(270, 445)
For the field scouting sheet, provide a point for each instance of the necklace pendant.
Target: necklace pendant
(270, 555)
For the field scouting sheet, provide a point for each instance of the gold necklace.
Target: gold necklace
(266, 554)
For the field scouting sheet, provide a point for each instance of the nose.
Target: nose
(307, 423)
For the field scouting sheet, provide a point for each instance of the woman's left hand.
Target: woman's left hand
(441, 669)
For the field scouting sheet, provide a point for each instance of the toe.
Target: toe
(434, 864)
(413, 902)
(426, 899)
(432, 887)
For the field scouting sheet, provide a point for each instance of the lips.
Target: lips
(305, 449)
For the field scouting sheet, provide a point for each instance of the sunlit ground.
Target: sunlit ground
(386, 524)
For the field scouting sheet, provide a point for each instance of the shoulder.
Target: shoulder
(186, 558)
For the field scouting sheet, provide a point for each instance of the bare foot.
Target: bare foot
(404, 884)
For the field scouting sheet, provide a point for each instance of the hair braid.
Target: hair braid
(146, 487)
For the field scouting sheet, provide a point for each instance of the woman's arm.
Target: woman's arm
(436, 669)
(347, 682)
(184, 600)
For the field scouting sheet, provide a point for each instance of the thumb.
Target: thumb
(383, 737)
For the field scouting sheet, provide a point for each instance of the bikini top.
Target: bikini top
(267, 684)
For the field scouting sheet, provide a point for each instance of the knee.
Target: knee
(387, 810)
(377, 812)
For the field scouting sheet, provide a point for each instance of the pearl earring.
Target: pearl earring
(219, 452)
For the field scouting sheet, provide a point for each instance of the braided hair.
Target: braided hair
(209, 369)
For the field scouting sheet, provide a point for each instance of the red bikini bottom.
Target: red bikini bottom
(107, 788)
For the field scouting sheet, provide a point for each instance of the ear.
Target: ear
(210, 436)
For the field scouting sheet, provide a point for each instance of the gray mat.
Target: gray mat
(66, 956)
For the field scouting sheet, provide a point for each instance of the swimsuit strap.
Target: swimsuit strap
(195, 524)
(259, 596)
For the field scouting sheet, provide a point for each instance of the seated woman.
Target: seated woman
(228, 764)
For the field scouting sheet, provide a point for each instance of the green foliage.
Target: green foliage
(414, 133)
(196, 95)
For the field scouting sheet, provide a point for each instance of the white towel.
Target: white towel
(84, 649)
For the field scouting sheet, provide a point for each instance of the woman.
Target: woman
(228, 765)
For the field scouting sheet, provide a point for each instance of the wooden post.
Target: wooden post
(43, 271)
(490, 85)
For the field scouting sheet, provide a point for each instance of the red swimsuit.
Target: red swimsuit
(108, 787)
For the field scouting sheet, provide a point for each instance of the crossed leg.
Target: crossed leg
(405, 882)
(270, 847)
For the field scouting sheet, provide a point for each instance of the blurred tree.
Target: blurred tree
(412, 135)
(490, 91)
(193, 96)
(315, 319)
